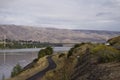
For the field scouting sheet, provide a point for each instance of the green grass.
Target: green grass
(106, 53)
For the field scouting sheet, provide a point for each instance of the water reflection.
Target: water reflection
(12, 59)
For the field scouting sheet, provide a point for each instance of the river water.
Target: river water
(9, 58)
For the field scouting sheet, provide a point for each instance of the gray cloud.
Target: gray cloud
(79, 14)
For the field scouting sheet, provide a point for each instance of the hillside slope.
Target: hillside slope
(54, 35)
(115, 42)
(85, 61)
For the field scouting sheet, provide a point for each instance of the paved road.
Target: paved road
(39, 75)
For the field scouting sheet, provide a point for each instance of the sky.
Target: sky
(68, 14)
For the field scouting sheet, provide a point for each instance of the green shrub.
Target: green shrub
(70, 52)
(61, 55)
(49, 50)
(44, 52)
(78, 45)
(41, 53)
(35, 60)
(16, 70)
(106, 53)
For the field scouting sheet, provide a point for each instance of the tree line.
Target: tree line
(13, 44)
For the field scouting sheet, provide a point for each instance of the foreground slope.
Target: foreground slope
(85, 61)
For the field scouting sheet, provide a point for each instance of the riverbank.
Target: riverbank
(39, 66)
(10, 57)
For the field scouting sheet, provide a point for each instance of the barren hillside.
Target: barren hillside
(54, 35)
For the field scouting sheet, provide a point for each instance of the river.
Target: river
(9, 58)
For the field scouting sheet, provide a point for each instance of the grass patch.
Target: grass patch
(106, 53)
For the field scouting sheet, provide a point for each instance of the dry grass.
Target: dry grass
(63, 70)
(59, 62)
(39, 66)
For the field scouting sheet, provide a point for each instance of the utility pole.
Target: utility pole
(107, 38)
(4, 49)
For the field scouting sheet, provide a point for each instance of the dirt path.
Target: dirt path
(40, 74)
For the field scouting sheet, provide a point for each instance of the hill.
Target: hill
(115, 42)
(87, 62)
(84, 61)
(54, 35)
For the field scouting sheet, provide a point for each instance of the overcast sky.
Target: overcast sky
(72, 14)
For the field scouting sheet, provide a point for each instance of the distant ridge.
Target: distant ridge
(54, 35)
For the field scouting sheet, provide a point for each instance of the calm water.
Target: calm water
(21, 56)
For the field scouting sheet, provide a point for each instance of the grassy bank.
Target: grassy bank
(41, 64)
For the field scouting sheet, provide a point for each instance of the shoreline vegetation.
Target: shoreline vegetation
(20, 44)
(84, 61)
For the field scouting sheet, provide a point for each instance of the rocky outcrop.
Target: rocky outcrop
(88, 69)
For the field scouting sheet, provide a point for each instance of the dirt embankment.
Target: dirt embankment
(88, 69)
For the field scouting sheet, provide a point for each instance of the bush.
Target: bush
(35, 60)
(61, 55)
(78, 45)
(16, 70)
(106, 53)
(70, 52)
(49, 50)
(41, 53)
(44, 52)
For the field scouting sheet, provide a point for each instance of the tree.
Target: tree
(41, 53)
(16, 70)
(44, 52)
(49, 50)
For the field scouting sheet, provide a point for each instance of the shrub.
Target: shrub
(78, 45)
(41, 53)
(16, 70)
(49, 50)
(61, 55)
(44, 52)
(70, 52)
(35, 60)
(106, 53)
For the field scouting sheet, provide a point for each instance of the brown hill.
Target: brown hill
(115, 42)
(54, 35)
